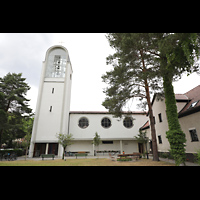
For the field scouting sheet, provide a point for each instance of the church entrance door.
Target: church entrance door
(39, 149)
(53, 148)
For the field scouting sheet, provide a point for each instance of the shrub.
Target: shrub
(197, 157)
(124, 159)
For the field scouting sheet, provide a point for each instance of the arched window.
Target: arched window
(56, 63)
(83, 122)
(105, 122)
(128, 122)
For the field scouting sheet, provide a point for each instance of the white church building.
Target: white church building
(53, 115)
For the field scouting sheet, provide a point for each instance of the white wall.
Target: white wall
(46, 123)
(161, 127)
(187, 122)
(128, 146)
(116, 133)
(190, 122)
(117, 129)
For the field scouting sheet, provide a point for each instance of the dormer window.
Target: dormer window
(193, 104)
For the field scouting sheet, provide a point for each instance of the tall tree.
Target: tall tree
(133, 75)
(175, 53)
(13, 103)
(153, 56)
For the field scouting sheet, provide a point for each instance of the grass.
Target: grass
(84, 162)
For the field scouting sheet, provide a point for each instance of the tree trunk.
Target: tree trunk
(63, 153)
(1, 133)
(26, 152)
(152, 125)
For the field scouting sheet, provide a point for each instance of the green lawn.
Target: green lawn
(84, 162)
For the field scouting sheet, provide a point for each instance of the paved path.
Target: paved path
(172, 161)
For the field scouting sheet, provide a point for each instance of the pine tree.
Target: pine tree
(133, 75)
(13, 103)
(139, 62)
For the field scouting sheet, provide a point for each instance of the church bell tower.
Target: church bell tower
(53, 103)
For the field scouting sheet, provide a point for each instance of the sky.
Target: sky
(25, 52)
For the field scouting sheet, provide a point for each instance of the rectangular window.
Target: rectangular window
(193, 134)
(107, 142)
(154, 120)
(50, 108)
(160, 117)
(52, 90)
(159, 139)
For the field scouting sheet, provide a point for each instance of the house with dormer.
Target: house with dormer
(188, 107)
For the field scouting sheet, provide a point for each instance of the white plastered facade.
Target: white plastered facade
(122, 138)
(53, 114)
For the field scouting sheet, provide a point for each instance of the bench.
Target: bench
(47, 156)
(136, 156)
(81, 154)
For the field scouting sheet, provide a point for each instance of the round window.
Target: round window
(83, 122)
(128, 122)
(105, 122)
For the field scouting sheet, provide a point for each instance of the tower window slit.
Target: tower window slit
(50, 108)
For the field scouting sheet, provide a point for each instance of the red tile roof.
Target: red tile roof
(193, 96)
(181, 97)
(145, 126)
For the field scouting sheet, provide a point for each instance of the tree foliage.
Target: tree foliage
(65, 140)
(178, 54)
(134, 69)
(134, 75)
(13, 105)
(96, 140)
(141, 61)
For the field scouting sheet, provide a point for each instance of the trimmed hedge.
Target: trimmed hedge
(19, 152)
(124, 159)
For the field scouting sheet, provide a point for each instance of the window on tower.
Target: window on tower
(56, 64)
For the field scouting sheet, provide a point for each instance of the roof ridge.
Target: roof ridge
(191, 90)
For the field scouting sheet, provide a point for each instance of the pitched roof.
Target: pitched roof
(145, 126)
(193, 104)
(181, 97)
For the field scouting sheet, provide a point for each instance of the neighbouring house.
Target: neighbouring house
(188, 106)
